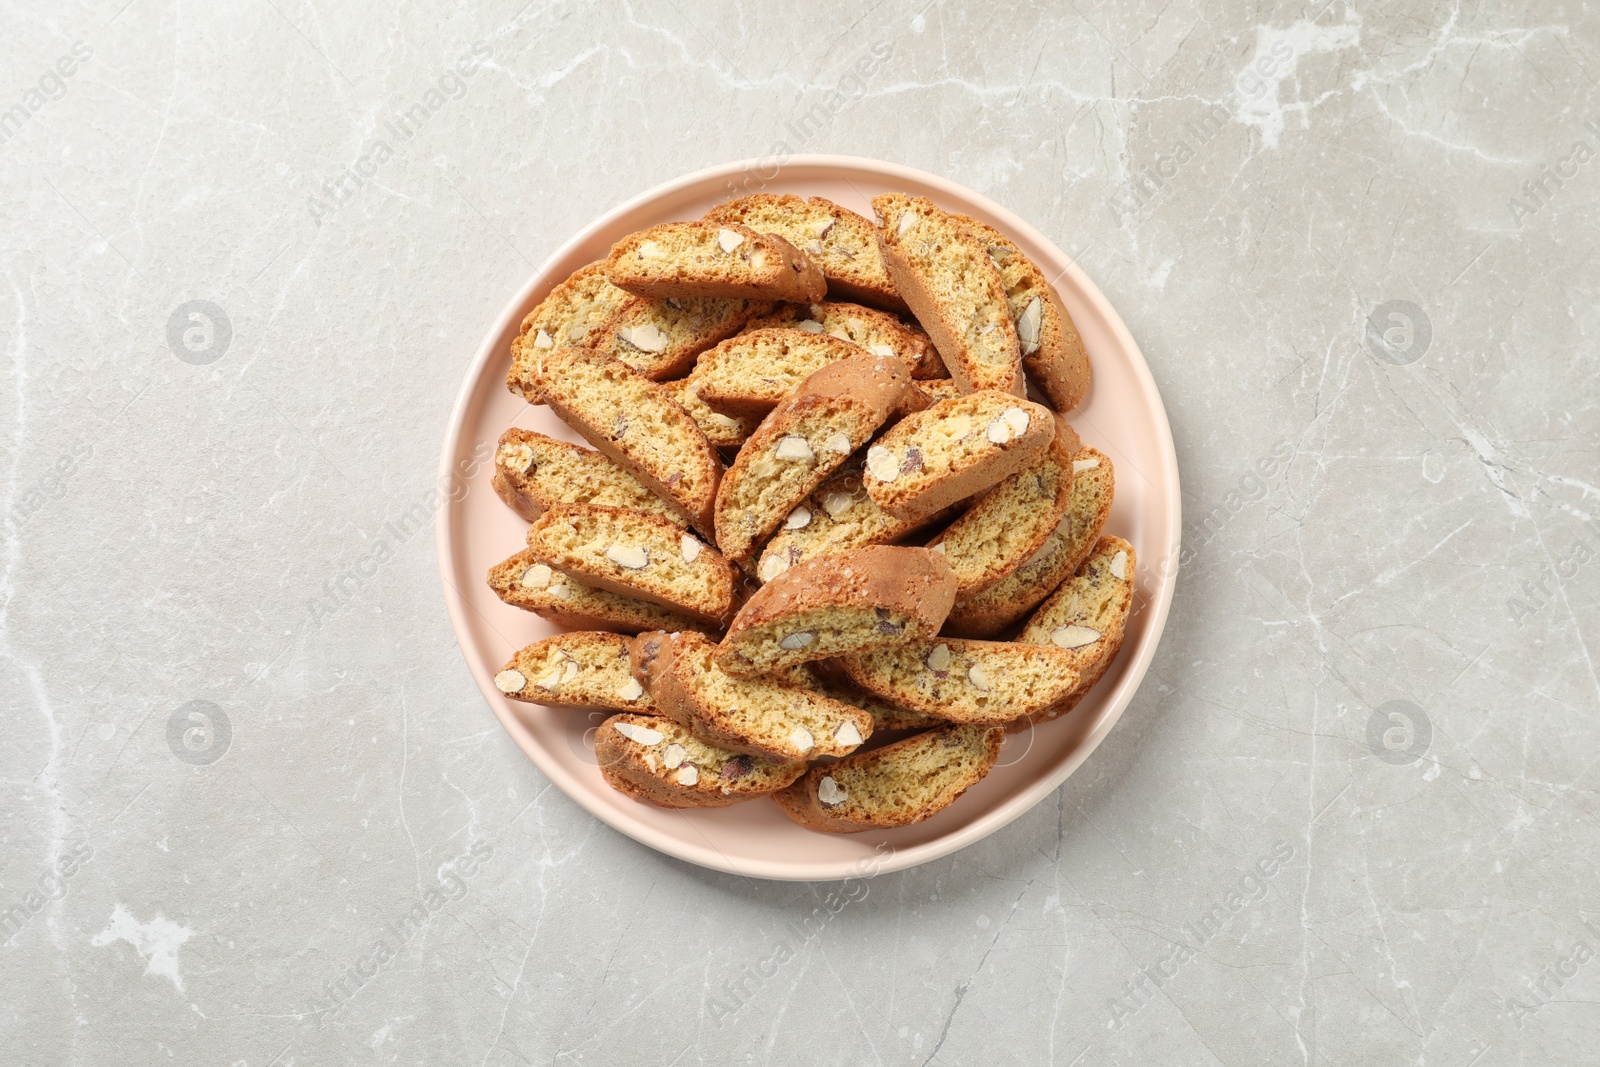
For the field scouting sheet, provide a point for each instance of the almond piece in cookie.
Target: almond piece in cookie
(533, 473)
(752, 373)
(569, 316)
(579, 669)
(723, 431)
(955, 449)
(877, 331)
(661, 338)
(954, 289)
(838, 515)
(656, 761)
(523, 582)
(645, 557)
(1005, 526)
(965, 681)
(838, 604)
(1052, 352)
(987, 613)
(679, 259)
(760, 716)
(843, 244)
(896, 785)
(638, 425)
(805, 438)
(1087, 617)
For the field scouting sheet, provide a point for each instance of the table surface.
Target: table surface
(254, 811)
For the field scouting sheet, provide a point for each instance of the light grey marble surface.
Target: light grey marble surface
(1259, 866)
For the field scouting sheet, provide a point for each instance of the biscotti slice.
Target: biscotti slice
(723, 431)
(876, 331)
(838, 604)
(896, 785)
(997, 607)
(842, 243)
(965, 681)
(1052, 352)
(638, 425)
(1005, 526)
(523, 582)
(578, 670)
(954, 289)
(837, 516)
(752, 373)
(570, 315)
(656, 761)
(661, 338)
(533, 473)
(759, 716)
(1087, 617)
(713, 259)
(637, 555)
(955, 449)
(805, 439)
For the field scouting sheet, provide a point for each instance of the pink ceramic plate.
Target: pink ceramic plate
(1123, 417)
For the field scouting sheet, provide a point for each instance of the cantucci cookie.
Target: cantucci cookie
(839, 604)
(843, 244)
(805, 439)
(1052, 352)
(1087, 617)
(876, 331)
(533, 473)
(758, 716)
(723, 431)
(954, 289)
(570, 315)
(523, 582)
(1008, 524)
(752, 373)
(992, 610)
(637, 555)
(955, 449)
(661, 338)
(678, 259)
(656, 761)
(965, 681)
(579, 669)
(896, 785)
(638, 425)
(837, 516)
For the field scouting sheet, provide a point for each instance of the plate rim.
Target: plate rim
(900, 858)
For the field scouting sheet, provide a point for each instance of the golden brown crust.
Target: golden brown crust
(753, 373)
(922, 776)
(990, 611)
(893, 594)
(759, 716)
(604, 399)
(636, 555)
(1005, 526)
(805, 439)
(954, 289)
(579, 669)
(878, 332)
(1087, 616)
(955, 449)
(661, 338)
(840, 242)
(1052, 352)
(533, 473)
(523, 582)
(667, 772)
(986, 682)
(694, 259)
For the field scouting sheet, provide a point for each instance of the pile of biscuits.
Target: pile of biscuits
(832, 497)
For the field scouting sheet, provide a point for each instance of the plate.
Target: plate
(1122, 416)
